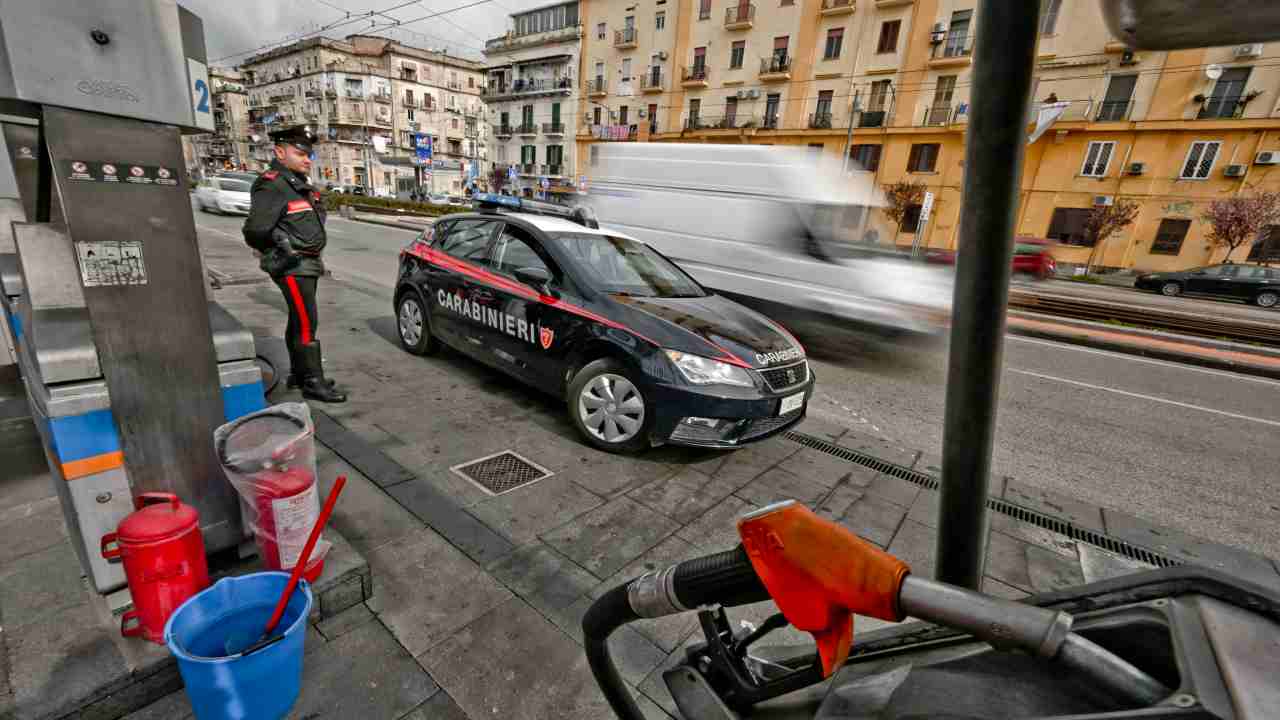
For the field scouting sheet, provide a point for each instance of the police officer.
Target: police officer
(286, 225)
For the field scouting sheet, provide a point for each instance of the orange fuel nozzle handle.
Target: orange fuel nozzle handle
(820, 573)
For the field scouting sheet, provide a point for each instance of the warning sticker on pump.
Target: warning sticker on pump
(111, 262)
(117, 172)
(791, 403)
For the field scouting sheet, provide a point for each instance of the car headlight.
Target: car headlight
(705, 371)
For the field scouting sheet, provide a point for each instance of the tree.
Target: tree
(1104, 221)
(900, 196)
(1239, 219)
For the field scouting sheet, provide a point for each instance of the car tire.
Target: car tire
(413, 325)
(1266, 299)
(605, 399)
(1171, 289)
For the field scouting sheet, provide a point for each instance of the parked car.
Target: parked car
(438, 199)
(224, 194)
(384, 193)
(1030, 258)
(1251, 283)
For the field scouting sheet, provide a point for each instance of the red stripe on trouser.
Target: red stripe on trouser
(301, 309)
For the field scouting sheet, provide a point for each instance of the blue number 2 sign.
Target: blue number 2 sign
(198, 73)
(202, 105)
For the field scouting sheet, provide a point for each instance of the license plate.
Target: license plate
(791, 403)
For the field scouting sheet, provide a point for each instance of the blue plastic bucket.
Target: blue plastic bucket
(263, 684)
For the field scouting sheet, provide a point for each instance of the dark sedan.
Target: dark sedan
(1251, 283)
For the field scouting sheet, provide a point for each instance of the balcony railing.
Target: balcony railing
(330, 92)
(937, 115)
(528, 129)
(1110, 110)
(312, 93)
(503, 131)
(777, 67)
(820, 121)
(410, 102)
(695, 76)
(598, 86)
(382, 97)
(528, 169)
(556, 169)
(1222, 106)
(837, 7)
(455, 85)
(624, 38)
(552, 128)
(770, 122)
(523, 86)
(355, 93)
(727, 122)
(871, 118)
(739, 17)
(954, 45)
(283, 97)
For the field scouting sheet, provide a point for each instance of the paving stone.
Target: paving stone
(439, 707)
(173, 706)
(744, 465)
(1007, 561)
(610, 536)
(776, 485)
(477, 539)
(703, 460)
(544, 578)
(873, 519)
(365, 515)
(60, 660)
(608, 475)
(436, 472)
(655, 688)
(35, 586)
(31, 528)
(821, 429)
(684, 496)
(925, 509)
(667, 632)
(914, 544)
(525, 513)
(1034, 534)
(1190, 549)
(370, 461)
(362, 674)
(345, 621)
(1098, 564)
(893, 489)
(425, 589)
(821, 468)
(991, 586)
(717, 528)
(879, 448)
(1076, 512)
(1049, 570)
(498, 667)
(26, 470)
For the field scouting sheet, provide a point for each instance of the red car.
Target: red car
(1030, 257)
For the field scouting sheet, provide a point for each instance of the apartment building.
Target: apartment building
(373, 101)
(883, 87)
(227, 147)
(532, 94)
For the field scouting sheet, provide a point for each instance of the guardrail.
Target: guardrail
(1160, 319)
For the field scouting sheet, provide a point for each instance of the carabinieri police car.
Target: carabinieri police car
(642, 354)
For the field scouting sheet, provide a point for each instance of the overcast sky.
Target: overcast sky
(235, 26)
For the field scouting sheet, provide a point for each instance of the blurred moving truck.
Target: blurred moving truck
(773, 229)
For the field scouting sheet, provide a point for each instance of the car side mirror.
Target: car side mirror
(535, 277)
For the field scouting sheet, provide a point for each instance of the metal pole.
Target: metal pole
(1002, 69)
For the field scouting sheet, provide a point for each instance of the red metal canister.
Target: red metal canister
(163, 553)
(287, 502)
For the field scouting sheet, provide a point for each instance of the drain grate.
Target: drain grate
(1048, 522)
(501, 472)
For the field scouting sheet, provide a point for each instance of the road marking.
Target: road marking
(375, 225)
(1135, 358)
(1152, 398)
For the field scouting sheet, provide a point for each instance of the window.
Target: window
(410, 112)
(730, 112)
(1267, 247)
(467, 239)
(1097, 158)
(1067, 226)
(1228, 94)
(653, 118)
(835, 38)
(923, 157)
(699, 61)
(910, 219)
(626, 69)
(704, 9)
(622, 115)
(958, 34)
(788, 2)
(595, 116)
(879, 96)
(866, 157)
(513, 251)
(771, 103)
(737, 53)
(888, 36)
(660, 20)
(1115, 105)
(780, 49)
(555, 154)
(695, 106)
(526, 117)
(1200, 160)
(471, 82)
(620, 265)
(601, 30)
(824, 102)
(1170, 236)
(1049, 16)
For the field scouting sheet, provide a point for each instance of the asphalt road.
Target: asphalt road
(1177, 445)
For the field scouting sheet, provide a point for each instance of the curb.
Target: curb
(392, 223)
(1155, 353)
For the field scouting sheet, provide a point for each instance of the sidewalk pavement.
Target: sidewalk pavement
(486, 592)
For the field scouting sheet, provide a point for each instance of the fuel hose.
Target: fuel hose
(725, 578)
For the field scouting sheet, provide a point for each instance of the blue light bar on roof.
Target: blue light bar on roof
(496, 200)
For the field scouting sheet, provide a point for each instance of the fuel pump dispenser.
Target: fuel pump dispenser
(128, 365)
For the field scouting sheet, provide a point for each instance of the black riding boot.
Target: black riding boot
(314, 385)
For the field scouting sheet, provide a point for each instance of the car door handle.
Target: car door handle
(479, 292)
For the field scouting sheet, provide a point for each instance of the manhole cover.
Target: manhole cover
(502, 472)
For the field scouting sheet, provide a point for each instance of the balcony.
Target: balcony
(409, 102)
(330, 93)
(1113, 110)
(820, 121)
(512, 41)
(382, 120)
(528, 168)
(553, 129)
(453, 132)
(555, 86)
(527, 130)
(355, 93)
(285, 97)
(1222, 107)
(502, 132)
(937, 115)
(694, 77)
(472, 133)
(872, 118)
(775, 69)
(739, 17)
(954, 49)
(770, 122)
(455, 85)
(652, 81)
(625, 39)
(553, 170)
(382, 97)
(408, 75)
(836, 7)
(597, 88)
(313, 93)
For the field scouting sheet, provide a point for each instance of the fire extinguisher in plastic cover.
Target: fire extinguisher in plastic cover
(269, 457)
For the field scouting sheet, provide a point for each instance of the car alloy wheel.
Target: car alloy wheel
(1170, 289)
(1267, 299)
(413, 325)
(611, 408)
(410, 321)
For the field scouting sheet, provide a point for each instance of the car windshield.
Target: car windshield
(234, 185)
(626, 267)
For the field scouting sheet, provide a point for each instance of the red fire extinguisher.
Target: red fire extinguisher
(287, 502)
(163, 553)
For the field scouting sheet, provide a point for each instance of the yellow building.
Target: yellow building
(883, 86)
